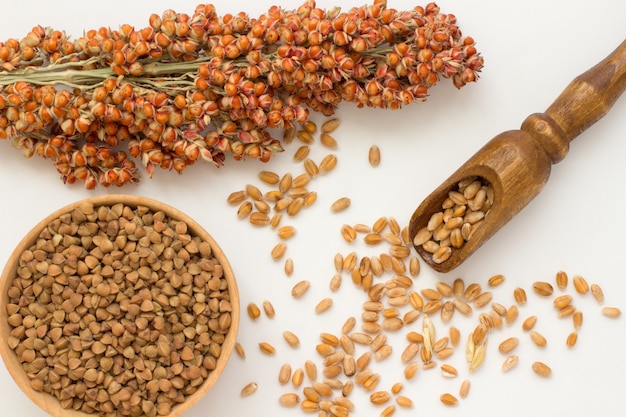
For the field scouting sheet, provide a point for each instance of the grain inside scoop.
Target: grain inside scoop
(515, 165)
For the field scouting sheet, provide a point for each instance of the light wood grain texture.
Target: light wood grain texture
(517, 163)
(49, 403)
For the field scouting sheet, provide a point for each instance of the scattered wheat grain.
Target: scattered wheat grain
(580, 284)
(278, 251)
(259, 219)
(508, 345)
(268, 308)
(538, 338)
(541, 369)
(297, 377)
(449, 399)
(562, 301)
(571, 339)
(284, 374)
(288, 267)
(449, 371)
(291, 339)
(511, 314)
(330, 125)
(388, 411)
(240, 350)
(267, 348)
(244, 209)
(340, 204)
(577, 318)
(380, 397)
(597, 293)
(300, 288)
(404, 401)
(249, 389)
(254, 312)
(374, 155)
(543, 288)
(561, 280)
(269, 177)
(612, 312)
(495, 280)
(236, 197)
(305, 137)
(510, 362)
(328, 163)
(324, 305)
(529, 323)
(289, 400)
(464, 389)
(328, 141)
(253, 192)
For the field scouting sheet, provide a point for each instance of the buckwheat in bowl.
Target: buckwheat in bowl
(117, 306)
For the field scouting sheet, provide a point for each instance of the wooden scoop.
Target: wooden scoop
(517, 163)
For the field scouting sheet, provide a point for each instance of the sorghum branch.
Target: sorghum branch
(189, 87)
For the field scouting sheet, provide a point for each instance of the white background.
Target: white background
(532, 49)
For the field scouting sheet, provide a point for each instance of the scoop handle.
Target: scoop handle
(586, 99)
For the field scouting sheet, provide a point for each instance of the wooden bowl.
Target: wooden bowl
(50, 403)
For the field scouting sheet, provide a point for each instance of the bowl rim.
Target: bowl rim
(48, 402)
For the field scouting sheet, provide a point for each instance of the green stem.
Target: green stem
(156, 74)
(171, 77)
(158, 68)
(83, 79)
